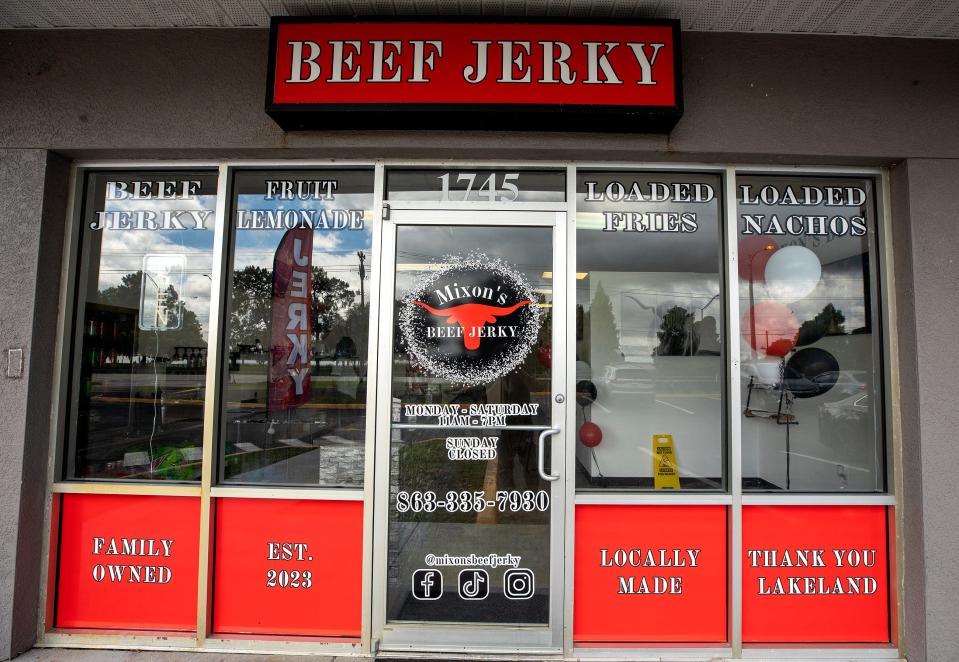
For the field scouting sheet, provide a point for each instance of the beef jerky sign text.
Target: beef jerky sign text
(558, 69)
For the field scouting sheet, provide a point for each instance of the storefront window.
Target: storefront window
(142, 321)
(649, 329)
(295, 385)
(810, 346)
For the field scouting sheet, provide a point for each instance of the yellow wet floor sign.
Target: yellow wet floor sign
(665, 473)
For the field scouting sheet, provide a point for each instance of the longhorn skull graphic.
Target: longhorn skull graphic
(472, 317)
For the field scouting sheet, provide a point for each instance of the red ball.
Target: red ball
(544, 355)
(771, 328)
(590, 434)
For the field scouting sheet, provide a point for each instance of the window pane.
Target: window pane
(294, 410)
(810, 345)
(140, 344)
(649, 366)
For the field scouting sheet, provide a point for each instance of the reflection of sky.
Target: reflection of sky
(841, 285)
(122, 251)
(333, 250)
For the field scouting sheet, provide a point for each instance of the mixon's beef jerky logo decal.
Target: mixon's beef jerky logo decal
(471, 321)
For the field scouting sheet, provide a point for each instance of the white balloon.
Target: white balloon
(792, 273)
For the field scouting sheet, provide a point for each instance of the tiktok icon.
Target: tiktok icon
(427, 584)
(474, 584)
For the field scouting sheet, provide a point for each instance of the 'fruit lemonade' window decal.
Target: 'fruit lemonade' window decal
(470, 320)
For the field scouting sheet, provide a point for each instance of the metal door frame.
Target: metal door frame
(466, 638)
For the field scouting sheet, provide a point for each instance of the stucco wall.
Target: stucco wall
(32, 188)
(927, 271)
(761, 97)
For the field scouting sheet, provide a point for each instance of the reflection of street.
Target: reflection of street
(333, 461)
(319, 442)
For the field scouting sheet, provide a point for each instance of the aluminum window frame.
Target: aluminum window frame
(733, 497)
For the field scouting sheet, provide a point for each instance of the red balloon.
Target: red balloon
(590, 434)
(771, 328)
(754, 252)
(544, 355)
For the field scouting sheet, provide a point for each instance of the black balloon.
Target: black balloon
(585, 393)
(811, 372)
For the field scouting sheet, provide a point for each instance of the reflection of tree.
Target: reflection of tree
(603, 341)
(332, 308)
(127, 295)
(829, 322)
(332, 298)
(250, 309)
(348, 332)
(833, 319)
(677, 334)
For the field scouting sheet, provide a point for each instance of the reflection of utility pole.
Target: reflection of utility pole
(752, 305)
(701, 310)
(362, 256)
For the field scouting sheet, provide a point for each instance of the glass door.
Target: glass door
(470, 488)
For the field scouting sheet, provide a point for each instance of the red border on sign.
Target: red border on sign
(815, 618)
(697, 615)
(162, 600)
(254, 594)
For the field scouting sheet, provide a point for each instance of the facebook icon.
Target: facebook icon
(427, 584)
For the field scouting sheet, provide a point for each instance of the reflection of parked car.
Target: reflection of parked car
(632, 379)
(842, 383)
(847, 421)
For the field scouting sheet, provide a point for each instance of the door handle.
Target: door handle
(541, 458)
